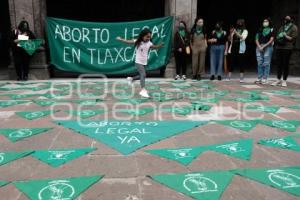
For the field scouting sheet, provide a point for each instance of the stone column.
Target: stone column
(185, 10)
(33, 11)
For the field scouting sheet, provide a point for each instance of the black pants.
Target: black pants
(22, 60)
(283, 57)
(181, 63)
(236, 60)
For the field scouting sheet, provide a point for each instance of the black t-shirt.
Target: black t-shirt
(264, 36)
(221, 38)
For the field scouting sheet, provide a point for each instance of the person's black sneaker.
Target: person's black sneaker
(194, 77)
(219, 78)
(212, 78)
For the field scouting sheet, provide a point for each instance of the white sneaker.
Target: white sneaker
(264, 81)
(177, 77)
(276, 83)
(144, 93)
(242, 81)
(183, 77)
(258, 81)
(283, 84)
(227, 79)
(129, 80)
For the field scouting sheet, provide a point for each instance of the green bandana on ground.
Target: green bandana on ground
(251, 92)
(242, 99)
(96, 50)
(244, 125)
(201, 106)
(55, 95)
(296, 107)
(152, 87)
(163, 96)
(259, 97)
(3, 183)
(60, 189)
(285, 179)
(44, 103)
(7, 157)
(280, 92)
(206, 100)
(43, 87)
(182, 85)
(31, 115)
(136, 112)
(86, 102)
(84, 114)
(267, 109)
(287, 125)
(181, 155)
(241, 149)
(134, 101)
(58, 157)
(282, 143)
(198, 185)
(7, 103)
(204, 86)
(30, 46)
(219, 93)
(16, 134)
(21, 96)
(129, 136)
(186, 110)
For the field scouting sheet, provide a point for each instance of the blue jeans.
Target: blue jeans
(264, 62)
(216, 59)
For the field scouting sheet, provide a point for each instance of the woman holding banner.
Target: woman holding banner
(143, 44)
(21, 58)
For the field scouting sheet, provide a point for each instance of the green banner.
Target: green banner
(88, 47)
(16, 134)
(30, 46)
(128, 136)
(58, 157)
(6, 157)
(286, 179)
(244, 125)
(56, 189)
(198, 185)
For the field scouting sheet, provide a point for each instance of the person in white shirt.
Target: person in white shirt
(143, 44)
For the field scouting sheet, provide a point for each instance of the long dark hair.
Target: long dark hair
(23, 26)
(195, 25)
(142, 34)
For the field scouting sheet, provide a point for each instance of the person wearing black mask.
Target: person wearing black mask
(285, 41)
(21, 58)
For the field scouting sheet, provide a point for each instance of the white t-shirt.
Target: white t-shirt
(142, 53)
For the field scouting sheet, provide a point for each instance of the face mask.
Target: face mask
(266, 24)
(181, 27)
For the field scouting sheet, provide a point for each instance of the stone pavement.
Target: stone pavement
(126, 176)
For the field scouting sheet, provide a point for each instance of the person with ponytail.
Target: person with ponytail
(142, 46)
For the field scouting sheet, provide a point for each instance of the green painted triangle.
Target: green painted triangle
(295, 107)
(241, 149)
(7, 103)
(129, 136)
(287, 125)
(84, 114)
(181, 155)
(31, 115)
(3, 183)
(198, 185)
(30, 46)
(267, 109)
(7, 157)
(16, 134)
(282, 143)
(135, 101)
(185, 110)
(286, 179)
(44, 103)
(201, 106)
(58, 157)
(244, 125)
(56, 189)
(136, 112)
